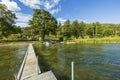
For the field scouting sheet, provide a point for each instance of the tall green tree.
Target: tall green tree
(90, 30)
(75, 29)
(43, 23)
(59, 30)
(95, 29)
(82, 29)
(67, 31)
(7, 20)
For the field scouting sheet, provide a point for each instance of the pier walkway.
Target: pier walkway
(30, 70)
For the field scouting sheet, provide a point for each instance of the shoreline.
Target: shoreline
(74, 41)
(93, 41)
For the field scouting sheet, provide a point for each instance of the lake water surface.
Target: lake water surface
(10, 60)
(92, 62)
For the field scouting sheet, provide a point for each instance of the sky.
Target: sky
(104, 11)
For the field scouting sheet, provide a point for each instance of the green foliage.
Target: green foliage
(90, 30)
(6, 21)
(14, 37)
(67, 29)
(75, 29)
(43, 23)
(82, 29)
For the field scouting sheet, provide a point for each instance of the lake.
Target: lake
(11, 57)
(91, 62)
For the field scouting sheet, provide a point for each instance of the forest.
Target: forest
(44, 25)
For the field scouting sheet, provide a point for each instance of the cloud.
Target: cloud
(22, 19)
(61, 20)
(31, 3)
(11, 5)
(50, 5)
(53, 11)
(21, 24)
(56, 1)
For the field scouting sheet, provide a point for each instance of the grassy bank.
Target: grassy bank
(3, 43)
(96, 40)
(106, 40)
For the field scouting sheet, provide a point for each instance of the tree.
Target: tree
(53, 26)
(7, 19)
(67, 31)
(90, 30)
(95, 29)
(82, 29)
(43, 23)
(59, 31)
(75, 29)
(100, 31)
(16, 29)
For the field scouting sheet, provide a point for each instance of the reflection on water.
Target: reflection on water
(10, 60)
(92, 62)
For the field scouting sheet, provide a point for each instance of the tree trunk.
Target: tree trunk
(43, 35)
(77, 37)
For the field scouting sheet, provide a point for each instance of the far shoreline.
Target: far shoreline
(94, 41)
(113, 40)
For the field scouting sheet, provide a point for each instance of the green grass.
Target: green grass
(97, 40)
(105, 40)
(15, 42)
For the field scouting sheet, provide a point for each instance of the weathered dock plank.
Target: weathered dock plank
(30, 69)
(30, 65)
(44, 76)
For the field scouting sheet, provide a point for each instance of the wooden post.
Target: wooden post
(72, 70)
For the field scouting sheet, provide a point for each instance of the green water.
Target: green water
(92, 62)
(10, 60)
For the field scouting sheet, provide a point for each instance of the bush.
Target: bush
(61, 38)
(14, 37)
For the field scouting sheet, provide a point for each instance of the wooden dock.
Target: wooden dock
(44, 76)
(30, 70)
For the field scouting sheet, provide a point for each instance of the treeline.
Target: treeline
(84, 30)
(44, 24)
